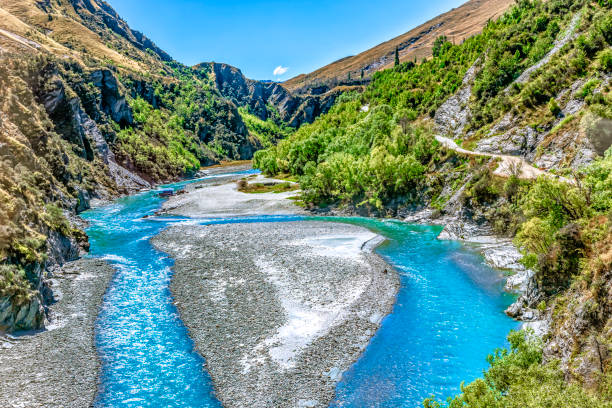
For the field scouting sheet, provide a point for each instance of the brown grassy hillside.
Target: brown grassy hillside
(85, 30)
(457, 24)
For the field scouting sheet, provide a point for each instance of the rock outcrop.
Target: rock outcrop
(27, 316)
(452, 117)
(263, 97)
(98, 14)
(112, 102)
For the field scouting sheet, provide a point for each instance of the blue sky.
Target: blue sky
(259, 36)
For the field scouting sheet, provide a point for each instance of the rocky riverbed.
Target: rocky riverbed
(279, 310)
(58, 367)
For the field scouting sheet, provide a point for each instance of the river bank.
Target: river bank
(278, 310)
(498, 252)
(59, 367)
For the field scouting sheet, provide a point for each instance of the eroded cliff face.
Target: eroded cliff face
(263, 97)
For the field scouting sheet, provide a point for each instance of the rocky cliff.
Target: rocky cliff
(262, 98)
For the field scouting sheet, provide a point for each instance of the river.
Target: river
(448, 316)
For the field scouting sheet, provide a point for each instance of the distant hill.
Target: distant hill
(458, 24)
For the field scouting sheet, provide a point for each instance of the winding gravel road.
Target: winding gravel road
(508, 166)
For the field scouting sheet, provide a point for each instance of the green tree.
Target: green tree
(438, 45)
(397, 57)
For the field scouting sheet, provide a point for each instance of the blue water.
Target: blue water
(447, 319)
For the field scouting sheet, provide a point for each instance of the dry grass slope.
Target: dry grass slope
(56, 27)
(458, 24)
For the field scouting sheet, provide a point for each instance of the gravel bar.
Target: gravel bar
(58, 367)
(219, 197)
(279, 310)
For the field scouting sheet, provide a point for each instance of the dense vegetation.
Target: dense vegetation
(514, 42)
(370, 162)
(517, 378)
(376, 152)
(267, 132)
(181, 123)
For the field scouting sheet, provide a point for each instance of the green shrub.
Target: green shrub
(589, 87)
(55, 219)
(599, 182)
(267, 132)
(516, 378)
(605, 60)
(553, 106)
(13, 284)
(535, 236)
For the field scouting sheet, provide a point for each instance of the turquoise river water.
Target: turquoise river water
(448, 316)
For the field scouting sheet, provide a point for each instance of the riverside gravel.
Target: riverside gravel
(59, 367)
(278, 310)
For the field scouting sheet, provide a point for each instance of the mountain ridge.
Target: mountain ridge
(457, 24)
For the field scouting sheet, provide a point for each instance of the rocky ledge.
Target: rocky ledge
(58, 367)
(279, 310)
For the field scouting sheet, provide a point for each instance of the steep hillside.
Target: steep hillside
(91, 109)
(507, 134)
(268, 99)
(457, 25)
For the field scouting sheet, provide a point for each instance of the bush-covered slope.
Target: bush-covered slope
(535, 84)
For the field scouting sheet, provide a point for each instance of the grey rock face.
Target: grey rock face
(460, 230)
(295, 110)
(516, 142)
(113, 103)
(27, 316)
(77, 127)
(61, 249)
(68, 116)
(452, 117)
(83, 200)
(126, 180)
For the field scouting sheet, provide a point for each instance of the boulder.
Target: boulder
(27, 316)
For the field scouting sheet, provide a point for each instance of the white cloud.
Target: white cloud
(280, 70)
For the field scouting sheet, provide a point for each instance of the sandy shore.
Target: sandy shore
(219, 197)
(279, 310)
(58, 367)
